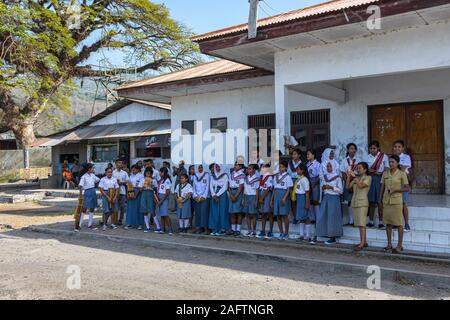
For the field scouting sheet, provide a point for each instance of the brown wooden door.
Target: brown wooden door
(420, 126)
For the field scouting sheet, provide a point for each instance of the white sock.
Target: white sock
(238, 227)
(147, 222)
(380, 222)
(156, 221)
(233, 227)
(350, 215)
(302, 229)
(186, 223)
(181, 223)
(81, 220)
(91, 218)
(371, 221)
(308, 231)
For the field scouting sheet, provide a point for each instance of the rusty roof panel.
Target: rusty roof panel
(327, 7)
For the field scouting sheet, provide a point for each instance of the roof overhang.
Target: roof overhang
(319, 29)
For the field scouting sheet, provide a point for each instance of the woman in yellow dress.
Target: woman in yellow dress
(393, 184)
(360, 202)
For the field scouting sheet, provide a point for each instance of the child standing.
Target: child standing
(87, 184)
(350, 163)
(122, 177)
(329, 221)
(264, 196)
(250, 200)
(280, 201)
(134, 217)
(313, 166)
(236, 190)
(201, 199)
(292, 170)
(163, 188)
(183, 195)
(109, 188)
(301, 197)
(398, 149)
(148, 199)
(219, 219)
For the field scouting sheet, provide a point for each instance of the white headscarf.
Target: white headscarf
(200, 175)
(326, 159)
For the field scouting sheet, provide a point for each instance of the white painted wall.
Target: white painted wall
(134, 112)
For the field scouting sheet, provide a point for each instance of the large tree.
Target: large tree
(44, 44)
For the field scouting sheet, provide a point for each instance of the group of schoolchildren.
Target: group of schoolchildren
(215, 202)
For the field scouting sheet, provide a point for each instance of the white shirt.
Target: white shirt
(88, 181)
(313, 168)
(405, 162)
(282, 181)
(293, 171)
(201, 185)
(184, 191)
(370, 159)
(251, 185)
(338, 187)
(267, 184)
(163, 186)
(219, 186)
(137, 180)
(347, 162)
(121, 176)
(108, 183)
(302, 186)
(237, 179)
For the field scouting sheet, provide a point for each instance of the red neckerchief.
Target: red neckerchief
(378, 161)
(352, 165)
(263, 180)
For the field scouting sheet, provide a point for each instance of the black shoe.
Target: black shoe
(370, 225)
(381, 226)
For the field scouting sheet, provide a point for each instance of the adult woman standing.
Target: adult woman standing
(360, 201)
(393, 184)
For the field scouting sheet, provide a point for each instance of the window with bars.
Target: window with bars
(311, 129)
(259, 122)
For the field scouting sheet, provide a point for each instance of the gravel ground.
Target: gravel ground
(34, 266)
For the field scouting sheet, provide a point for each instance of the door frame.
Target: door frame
(440, 104)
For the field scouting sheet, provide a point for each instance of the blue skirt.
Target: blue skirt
(185, 212)
(147, 202)
(329, 221)
(249, 204)
(236, 207)
(278, 208)
(301, 213)
(265, 206)
(163, 208)
(315, 191)
(105, 206)
(219, 216)
(90, 199)
(348, 195)
(202, 213)
(375, 189)
(134, 216)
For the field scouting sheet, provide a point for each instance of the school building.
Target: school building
(330, 75)
(131, 130)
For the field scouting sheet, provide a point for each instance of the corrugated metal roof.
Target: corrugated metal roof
(203, 70)
(121, 130)
(327, 7)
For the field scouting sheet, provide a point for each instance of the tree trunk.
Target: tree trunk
(25, 138)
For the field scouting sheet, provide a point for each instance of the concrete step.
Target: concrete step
(64, 203)
(20, 198)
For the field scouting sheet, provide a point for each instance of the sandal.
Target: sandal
(388, 249)
(359, 248)
(397, 250)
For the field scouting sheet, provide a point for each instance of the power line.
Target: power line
(271, 8)
(263, 10)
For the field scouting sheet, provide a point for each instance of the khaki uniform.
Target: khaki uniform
(393, 203)
(360, 201)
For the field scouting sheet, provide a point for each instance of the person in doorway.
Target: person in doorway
(236, 190)
(360, 184)
(280, 202)
(394, 183)
(250, 199)
(350, 163)
(76, 171)
(398, 149)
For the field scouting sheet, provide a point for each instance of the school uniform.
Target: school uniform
(329, 220)
(292, 169)
(121, 177)
(87, 182)
(301, 187)
(379, 164)
(265, 183)
(134, 216)
(163, 185)
(201, 189)
(219, 217)
(236, 180)
(281, 183)
(406, 162)
(313, 168)
(251, 186)
(346, 164)
(184, 211)
(147, 204)
(393, 203)
(360, 201)
(105, 184)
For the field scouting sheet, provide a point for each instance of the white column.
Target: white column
(281, 114)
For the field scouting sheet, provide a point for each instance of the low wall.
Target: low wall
(13, 159)
(25, 174)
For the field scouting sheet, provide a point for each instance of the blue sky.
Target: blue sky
(203, 16)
